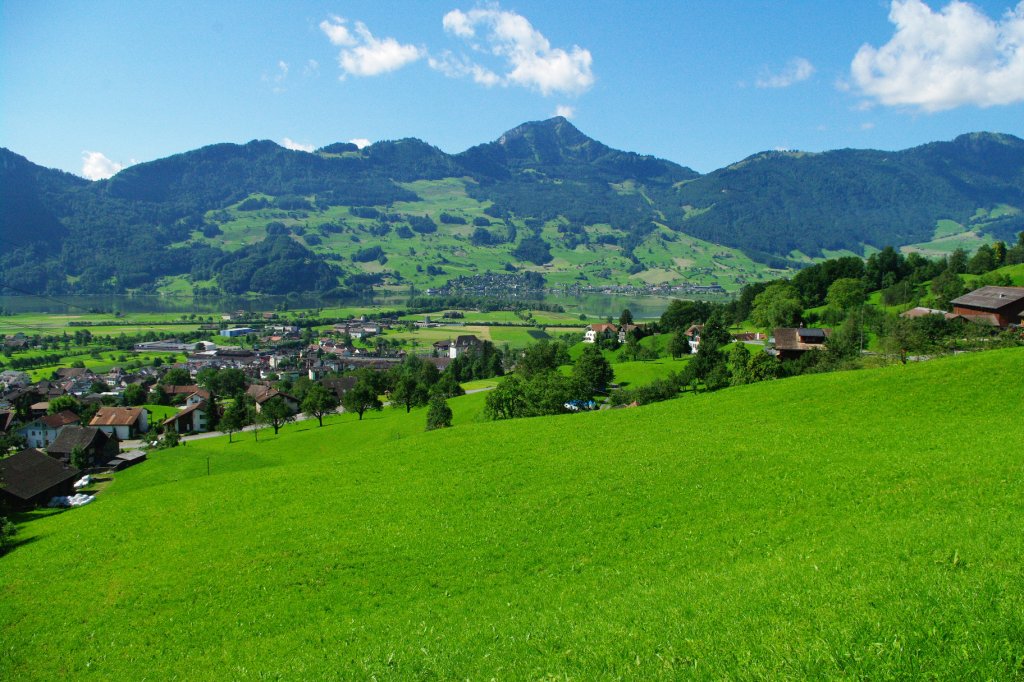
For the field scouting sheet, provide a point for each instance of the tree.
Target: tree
(983, 260)
(63, 402)
(362, 396)
(134, 394)
(738, 361)
(626, 317)
(777, 306)
(439, 414)
(79, 459)
(678, 344)
(276, 413)
(846, 294)
(946, 287)
(958, 262)
(319, 401)
(709, 364)
(507, 400)
(447, 386)
(542, 356)
(592, 373)
(411, 382)
(235, 418)
(176, 376)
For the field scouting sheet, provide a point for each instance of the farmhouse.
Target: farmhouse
(193, 418)
(463, 343)
(31, 478)
(261, 394)
(598, 331)
(97, 446)
(42, 431)
(1000, 306)
(124, 423)
(792, 342)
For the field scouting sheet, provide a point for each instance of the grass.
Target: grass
(848, 528)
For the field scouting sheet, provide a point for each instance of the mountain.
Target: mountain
(542, 196)
(780, 202)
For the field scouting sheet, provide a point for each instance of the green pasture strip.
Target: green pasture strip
(821, 527)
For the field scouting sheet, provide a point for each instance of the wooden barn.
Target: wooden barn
(31, 478)
(999, 306)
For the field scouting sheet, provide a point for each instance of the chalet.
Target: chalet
(625, 329)
(463, 343)
(999, 306)
(193, 418)
(792, 342)
(693, 336)
(340, 386)
(97, 446)
(175, 393)
(73, 373)
(31, 478)
(599, 331)
(124, 423)
(42, 431)
(261, 394)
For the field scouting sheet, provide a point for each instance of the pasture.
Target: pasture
(852, 530)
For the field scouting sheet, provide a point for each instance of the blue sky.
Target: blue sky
(91, 87)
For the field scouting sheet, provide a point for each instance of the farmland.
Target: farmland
(848, 531)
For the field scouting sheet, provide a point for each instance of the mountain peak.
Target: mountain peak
(555, 130)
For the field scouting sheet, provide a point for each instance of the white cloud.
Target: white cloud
(798, 69)
(289, 143)
(363, 54)
(337, 32)
(312, 68)
(867, 125)
(277, 79)
(942, 60)
(360, 142)
(528, 58)
(565, 110)
(96, 166)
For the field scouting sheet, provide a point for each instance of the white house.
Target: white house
(125, 423)
(40, 432)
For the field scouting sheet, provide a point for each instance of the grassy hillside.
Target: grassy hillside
(862, 525)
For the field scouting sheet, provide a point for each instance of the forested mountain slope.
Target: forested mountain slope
(543, 197)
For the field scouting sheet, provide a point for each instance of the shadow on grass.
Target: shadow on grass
(15, 543)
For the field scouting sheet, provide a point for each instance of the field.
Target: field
(844, 525)
(667, 256)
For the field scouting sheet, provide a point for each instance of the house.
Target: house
(625, 329)
(599, 331)
(174, 393)
(463, 343)
(792, 342)
(124, 423)
(1000, 306)
(42, 431)
(193, 418)
(31, 478)
(340, 386)
(97, 446)
(262, 394)
(693, 336)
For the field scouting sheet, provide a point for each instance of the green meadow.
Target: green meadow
(861, 525)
